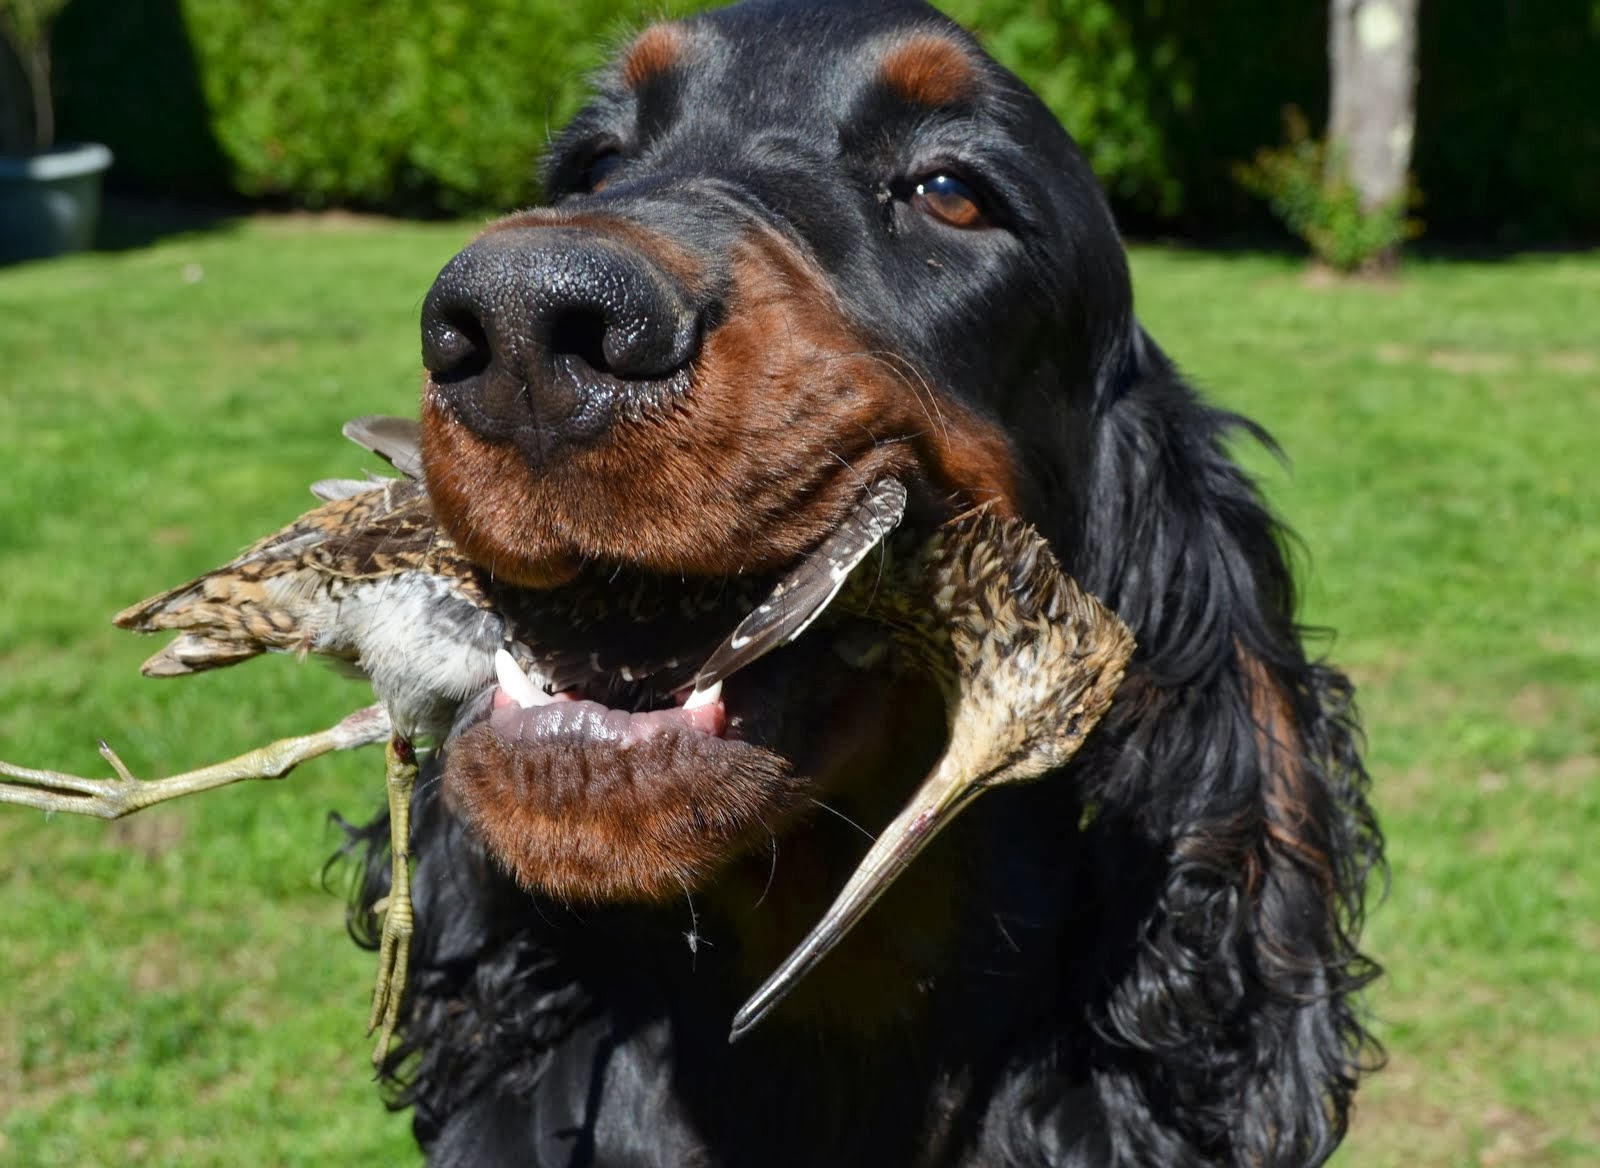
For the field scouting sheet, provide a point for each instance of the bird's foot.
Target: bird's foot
(125, 794)
(394, 945)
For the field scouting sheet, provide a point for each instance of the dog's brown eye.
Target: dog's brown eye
(599, 169)
(950, 200)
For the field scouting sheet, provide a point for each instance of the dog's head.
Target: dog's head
(789, 250)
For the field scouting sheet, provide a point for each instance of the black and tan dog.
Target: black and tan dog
(791, 248)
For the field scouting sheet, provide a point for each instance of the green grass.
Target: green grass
(177, 987)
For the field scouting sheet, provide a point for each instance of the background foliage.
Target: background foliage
(415, 106)
(443, 106)
(1320, 205)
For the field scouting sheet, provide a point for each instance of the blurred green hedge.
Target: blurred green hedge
(410, 105)
(443, 106)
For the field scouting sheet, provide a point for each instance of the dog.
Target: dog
(789, 249)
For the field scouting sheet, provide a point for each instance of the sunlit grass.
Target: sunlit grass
(1442, 434)
(178, 988)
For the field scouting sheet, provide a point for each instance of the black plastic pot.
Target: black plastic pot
(50, 201)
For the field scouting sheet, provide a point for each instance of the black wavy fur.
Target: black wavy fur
(1158, 961)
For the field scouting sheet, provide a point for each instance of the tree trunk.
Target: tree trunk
(1372, 54)
(37, 64)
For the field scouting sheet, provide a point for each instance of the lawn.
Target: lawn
(178, 989)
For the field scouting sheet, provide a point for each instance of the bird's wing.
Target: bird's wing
(192, 653)
(403, 537)
(277, 593)
(398, 441)
(801, 596)
(332, 490)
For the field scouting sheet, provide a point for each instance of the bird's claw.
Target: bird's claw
(115, 797)
(394, 951)
(51, 791)
(394, 945)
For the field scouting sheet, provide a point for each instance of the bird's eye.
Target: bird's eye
(949, 200)
(598, 170)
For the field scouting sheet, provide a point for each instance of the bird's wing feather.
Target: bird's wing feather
(191, 653)
(311, 541)
(801, 596)
(332, 490)
(398, 441)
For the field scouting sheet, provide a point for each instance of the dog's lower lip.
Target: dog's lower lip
(580, 721)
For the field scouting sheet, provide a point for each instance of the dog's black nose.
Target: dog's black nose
(544, 335)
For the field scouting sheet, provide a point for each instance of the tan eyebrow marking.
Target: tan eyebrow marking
(656, 50)
(929, 69)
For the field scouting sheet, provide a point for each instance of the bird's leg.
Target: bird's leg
(394, 947)
(123, 795)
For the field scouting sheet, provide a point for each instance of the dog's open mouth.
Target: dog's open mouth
(633, 743)
(615, 709)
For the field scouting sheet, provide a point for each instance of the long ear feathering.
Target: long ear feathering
(1232, 762)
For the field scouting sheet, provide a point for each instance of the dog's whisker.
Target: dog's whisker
(832, 810)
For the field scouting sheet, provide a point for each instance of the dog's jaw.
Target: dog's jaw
(784, 417)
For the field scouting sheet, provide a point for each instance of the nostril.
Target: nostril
(454, 347)
(580, 333)
(543, 336)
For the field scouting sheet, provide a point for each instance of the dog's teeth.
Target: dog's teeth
(516, 683)
(704, 697)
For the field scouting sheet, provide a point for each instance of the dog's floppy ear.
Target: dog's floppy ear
(1232, 763)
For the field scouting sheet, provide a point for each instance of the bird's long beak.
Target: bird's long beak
(942, 796)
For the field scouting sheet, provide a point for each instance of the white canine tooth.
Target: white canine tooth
(704, 697)
(516, 683)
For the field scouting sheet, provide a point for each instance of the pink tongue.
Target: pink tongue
(567, 717)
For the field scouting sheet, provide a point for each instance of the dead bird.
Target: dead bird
(371, 581)
(367, 579)
(1027, 662)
